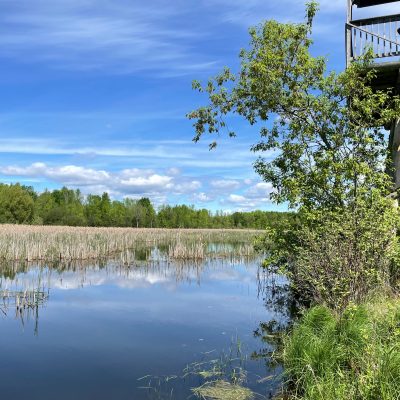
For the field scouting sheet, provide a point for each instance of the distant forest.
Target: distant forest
(21, 204)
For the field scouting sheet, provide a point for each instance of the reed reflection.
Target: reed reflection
(25, 287)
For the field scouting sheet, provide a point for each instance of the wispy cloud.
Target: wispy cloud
(182, 153)
(254, 11)
(118, 37)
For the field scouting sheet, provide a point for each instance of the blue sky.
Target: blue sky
(94, 95)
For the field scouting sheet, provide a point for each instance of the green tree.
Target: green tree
(68, 208)
(44, 205)
(93, 210)
(118, 215)
(326, 151)
(325, 130)
(136, 213)
(16, 205)
(149, 214)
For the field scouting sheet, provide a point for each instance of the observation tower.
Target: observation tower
(382, 35)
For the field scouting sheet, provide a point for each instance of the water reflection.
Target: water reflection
(105, 326)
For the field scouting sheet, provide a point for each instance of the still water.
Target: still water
(128, 332)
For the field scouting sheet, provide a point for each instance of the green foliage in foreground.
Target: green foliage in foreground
(337, 257)
(329, 159)
(352, 356)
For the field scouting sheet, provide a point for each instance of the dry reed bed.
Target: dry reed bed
(52, 243)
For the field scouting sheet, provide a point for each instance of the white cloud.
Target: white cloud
(146, 183)
(161, 187)
(69, 174)
(260, 191)
(252, 198)
(187, 186)
(125, 182)
(225, 184)
(202, 197)
(236, 198)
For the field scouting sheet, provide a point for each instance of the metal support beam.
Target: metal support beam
(394, 145)
(395, 150)
(348, 30)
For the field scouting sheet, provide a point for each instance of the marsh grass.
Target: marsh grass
(52, 243)
(352, 356)
(182, 249)
(187, 251)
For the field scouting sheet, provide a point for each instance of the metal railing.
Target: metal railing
(381, 34)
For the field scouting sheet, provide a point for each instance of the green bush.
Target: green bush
(352, 356)
(338, 256)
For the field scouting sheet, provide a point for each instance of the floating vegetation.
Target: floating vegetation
(221, 378)
(63, 243)
(222, 390)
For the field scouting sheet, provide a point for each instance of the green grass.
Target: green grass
(352, 356)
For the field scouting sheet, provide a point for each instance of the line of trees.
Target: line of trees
(21, 204)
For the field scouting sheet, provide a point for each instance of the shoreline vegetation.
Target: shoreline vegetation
(63, 243)
(352, 355)
(329, 156)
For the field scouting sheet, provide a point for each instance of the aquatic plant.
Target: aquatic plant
(185, 251)
(52, 243)
(222, 390)
(221, 378)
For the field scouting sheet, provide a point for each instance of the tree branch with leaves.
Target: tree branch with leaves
(330, 150)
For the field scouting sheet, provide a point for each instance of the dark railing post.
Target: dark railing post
(349, 46)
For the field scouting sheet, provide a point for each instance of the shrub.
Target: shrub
(338, 256)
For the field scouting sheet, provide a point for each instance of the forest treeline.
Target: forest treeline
(21, 204)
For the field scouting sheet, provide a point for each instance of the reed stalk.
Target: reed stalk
(62, 243)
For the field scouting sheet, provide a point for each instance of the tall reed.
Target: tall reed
(51, 243)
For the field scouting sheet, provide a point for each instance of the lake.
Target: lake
(139, 331)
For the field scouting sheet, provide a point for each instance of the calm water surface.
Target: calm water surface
(99, 329)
